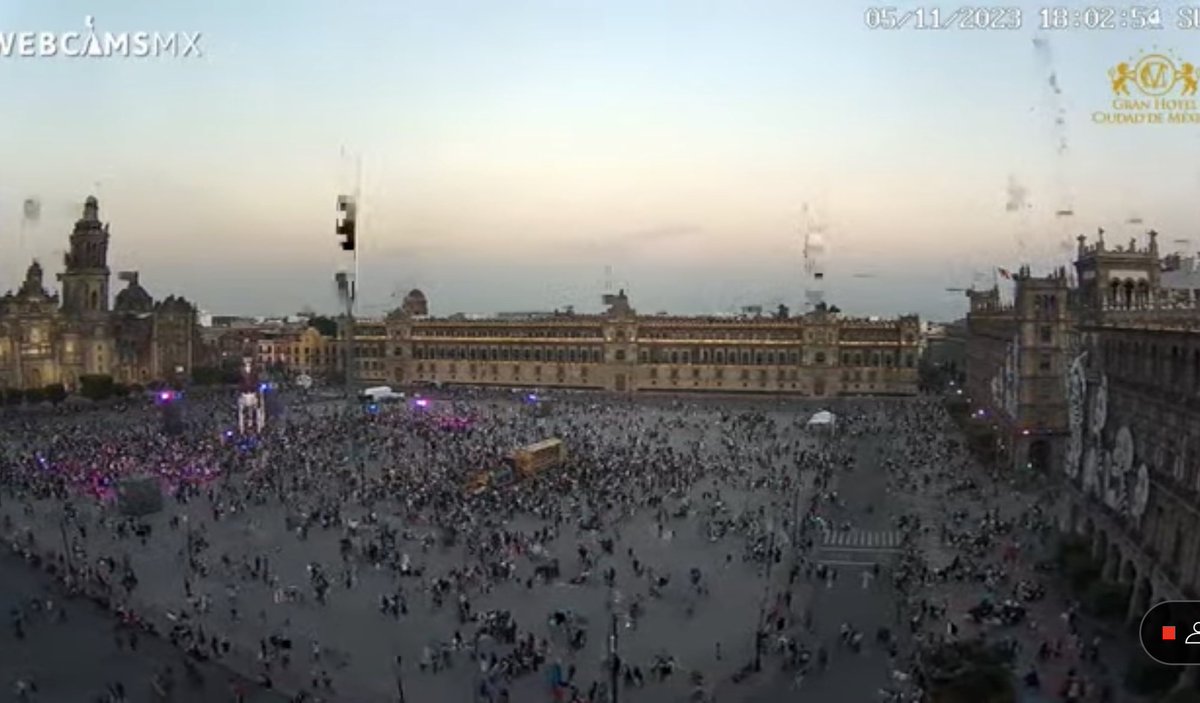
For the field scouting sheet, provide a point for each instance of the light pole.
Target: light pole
(62, 528)
(400, 676)
(614, 673)
(759, 634)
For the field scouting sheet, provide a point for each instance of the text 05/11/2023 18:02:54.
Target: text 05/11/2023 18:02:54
(1097, 17)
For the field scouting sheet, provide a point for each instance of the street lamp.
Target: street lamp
(759, 634)
(614, 674)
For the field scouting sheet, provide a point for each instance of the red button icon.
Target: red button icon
(1168, 632)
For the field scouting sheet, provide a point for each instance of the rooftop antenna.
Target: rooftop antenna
(608, 278)
(1134, 225)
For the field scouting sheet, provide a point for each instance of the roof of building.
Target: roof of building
(134, 298)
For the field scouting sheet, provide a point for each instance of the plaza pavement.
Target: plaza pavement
(75, 660)
(351, 628)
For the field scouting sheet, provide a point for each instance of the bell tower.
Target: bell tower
(85, 275)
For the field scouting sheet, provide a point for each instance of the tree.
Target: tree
(968, 672)
(13, 396)
(207, 376)
(95, 386)
(35, 395)
(55, 393)
(327, 326)
(1182, 695)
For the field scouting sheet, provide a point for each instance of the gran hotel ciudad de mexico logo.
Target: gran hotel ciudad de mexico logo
(1157, 87)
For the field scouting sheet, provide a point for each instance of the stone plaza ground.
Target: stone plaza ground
(360, 644)
(712, 634)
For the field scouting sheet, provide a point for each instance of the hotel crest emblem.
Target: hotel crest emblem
(1155, 88)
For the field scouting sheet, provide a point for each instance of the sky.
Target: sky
(513, 152)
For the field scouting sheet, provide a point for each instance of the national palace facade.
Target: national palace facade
(819, 354)
(51, 338)
(1122, 343)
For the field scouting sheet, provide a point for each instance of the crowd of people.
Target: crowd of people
(673, 554)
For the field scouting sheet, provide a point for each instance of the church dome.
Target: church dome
(134, 298)
(415, 303)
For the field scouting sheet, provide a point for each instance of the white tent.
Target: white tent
(823, 419)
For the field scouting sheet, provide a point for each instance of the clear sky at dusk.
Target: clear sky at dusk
(511, 150)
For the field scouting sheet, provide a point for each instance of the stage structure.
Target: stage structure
(139, 496)
(252, 410)
(170, 404)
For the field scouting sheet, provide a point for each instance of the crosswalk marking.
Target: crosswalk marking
(869, 540)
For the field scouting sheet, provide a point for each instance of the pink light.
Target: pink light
(422, 403)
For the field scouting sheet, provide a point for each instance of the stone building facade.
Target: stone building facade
(1130, 378)
(48, 338)
(820, 354)
(1132, 466)
(1016, 355)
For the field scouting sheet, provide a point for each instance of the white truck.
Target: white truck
(380, 394)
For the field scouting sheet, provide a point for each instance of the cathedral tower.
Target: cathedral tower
(85, 268)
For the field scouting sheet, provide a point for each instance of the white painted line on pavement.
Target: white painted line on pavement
(832, 548)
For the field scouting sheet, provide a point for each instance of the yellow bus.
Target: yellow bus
(537, 457)
(519, 464)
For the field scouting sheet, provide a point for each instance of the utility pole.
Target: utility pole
(614, 678)
(760, 631)
(400, 676)
(346, 227)
(62, 528)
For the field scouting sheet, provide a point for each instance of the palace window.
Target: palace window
(620, 355)
(820, 357)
